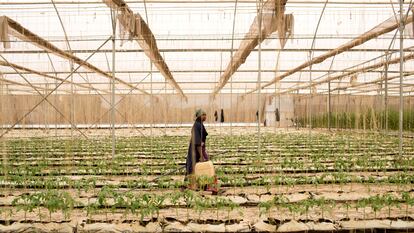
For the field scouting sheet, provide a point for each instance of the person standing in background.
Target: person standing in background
(222, 116)
(277, 114)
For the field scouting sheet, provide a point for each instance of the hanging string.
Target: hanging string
(259, 6)
(72, 105)
(113, 18)
(231, 78)
(220, 104)
(165, 107)
(151, 90)
(276, 84)
(310, 68)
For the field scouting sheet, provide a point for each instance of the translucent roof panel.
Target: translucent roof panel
(196, 40)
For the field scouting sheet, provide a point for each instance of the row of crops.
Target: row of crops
(298, 180)
(369, 119)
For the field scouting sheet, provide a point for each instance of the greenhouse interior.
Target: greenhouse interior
(105, 107)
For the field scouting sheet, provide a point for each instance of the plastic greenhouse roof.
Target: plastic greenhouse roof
(195, 39)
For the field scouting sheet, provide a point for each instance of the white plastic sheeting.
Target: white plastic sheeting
(194, 39)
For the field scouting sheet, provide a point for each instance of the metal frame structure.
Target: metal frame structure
(270, 17)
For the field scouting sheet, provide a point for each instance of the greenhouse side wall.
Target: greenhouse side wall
(347, 111)
(131, 109)
(354, 112)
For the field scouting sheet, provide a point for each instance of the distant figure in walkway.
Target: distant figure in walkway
(222, 116)
(215, 116)
(277, 114)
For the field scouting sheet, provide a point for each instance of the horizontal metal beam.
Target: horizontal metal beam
(355, 71)
(203, 1)
(203, 71)
(240, 91)
(370, 87)
(38, 86)
(25, 70)
(221, 37)
(141, 32)
(384, 27)
(197, 82)
(24, 34)
(198, 50)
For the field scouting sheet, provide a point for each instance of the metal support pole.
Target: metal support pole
(46, 112)
(56, 114)
(329, 105)
(330, 97)
(310, 96)
(2, 140)
(231, 111)
(113, 12)
(220, 106)
(231, 60)
(280, 110)
(277, 90)
(151, 82)
(165, 107)
(72, 105)
(181, 112)
(274, 99)
(259, 79)
(401, 76)
(152, 110)
(386, 97)
(310, 67)
(3, 120)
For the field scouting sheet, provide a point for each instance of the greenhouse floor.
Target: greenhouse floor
(137, 130)
(171, 130)
(347, 181)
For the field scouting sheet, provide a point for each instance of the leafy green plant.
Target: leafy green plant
(362, 204)
(175, 197)
(54, 201)
(201, 204)
(376, 204)
(347, 205)
(408, 201)
(24, 202)
(265, 207)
